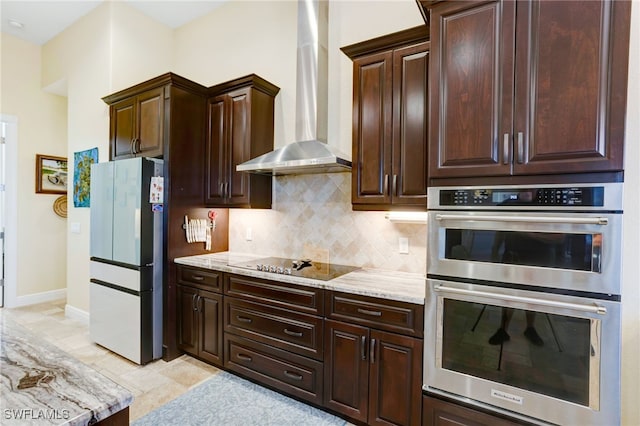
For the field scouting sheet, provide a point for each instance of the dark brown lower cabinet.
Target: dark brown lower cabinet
(436, 412)
(293, 374)
(372, 376)
(200, 323)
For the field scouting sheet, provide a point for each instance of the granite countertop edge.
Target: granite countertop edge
(384, 284)
(58, 385)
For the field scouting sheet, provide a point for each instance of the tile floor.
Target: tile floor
(152, 385)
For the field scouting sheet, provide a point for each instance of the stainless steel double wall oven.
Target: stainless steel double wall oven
(523, 300)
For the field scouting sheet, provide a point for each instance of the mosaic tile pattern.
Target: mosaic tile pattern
(312, 213)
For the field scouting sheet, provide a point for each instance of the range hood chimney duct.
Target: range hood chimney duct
(310, 153)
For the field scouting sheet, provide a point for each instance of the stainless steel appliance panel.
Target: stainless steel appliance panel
(101, 219)
(566, 372)
(545, 249)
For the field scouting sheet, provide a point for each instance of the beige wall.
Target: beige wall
(42, 129)
(111, 48)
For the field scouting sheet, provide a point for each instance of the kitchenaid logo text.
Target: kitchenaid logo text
(38, 414)
(506, 396)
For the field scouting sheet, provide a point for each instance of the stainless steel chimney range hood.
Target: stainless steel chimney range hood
(310, 153)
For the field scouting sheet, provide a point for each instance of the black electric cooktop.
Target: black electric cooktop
(305, 268)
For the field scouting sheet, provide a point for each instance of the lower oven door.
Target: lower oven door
(550, 357)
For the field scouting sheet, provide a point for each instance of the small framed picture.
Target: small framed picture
(51, 174)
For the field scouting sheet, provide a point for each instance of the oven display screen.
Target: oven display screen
(531, 197)
(500, 197)
(544, 353)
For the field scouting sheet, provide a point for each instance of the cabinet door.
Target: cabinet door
(570, 86)
(239, 145)
(395, 382)
(346, 369)
(151, 123)
(372, 127)
(187, 319)
(471, 88)
(210, 308)
(441, 413)
(216, 169)
(410, 70)
(123, 128)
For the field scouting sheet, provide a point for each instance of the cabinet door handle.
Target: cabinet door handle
(132, 147)
(292, 333)
(372, 351)
(222, 189)
(193, 302)
(385, 188)
(243, 357)
(197, 277)
(363, 347)
(520, 148)
(294, 376)
(505, 149)
(395, 185)
(200, 304)
(244, 319)
(138, 147)
(368, 312)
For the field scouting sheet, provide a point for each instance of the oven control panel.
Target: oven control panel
(592, 196)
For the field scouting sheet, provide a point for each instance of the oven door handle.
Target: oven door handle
(529, 219)
(592, 309)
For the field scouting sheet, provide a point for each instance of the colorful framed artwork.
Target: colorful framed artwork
(82, 162)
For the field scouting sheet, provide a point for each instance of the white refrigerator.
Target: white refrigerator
(125, 288)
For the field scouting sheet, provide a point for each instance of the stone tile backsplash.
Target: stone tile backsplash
(311, 217)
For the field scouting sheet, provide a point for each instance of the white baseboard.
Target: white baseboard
(34, 299)
(76, 314)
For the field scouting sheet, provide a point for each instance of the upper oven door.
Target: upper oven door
(574, 251)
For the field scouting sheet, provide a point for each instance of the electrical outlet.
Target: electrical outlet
(249, 234)
(75, 227)
(403, 245)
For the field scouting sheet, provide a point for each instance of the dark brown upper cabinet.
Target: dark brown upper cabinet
(240, 127)
(389, 139)
(141, 116)
(527, 87)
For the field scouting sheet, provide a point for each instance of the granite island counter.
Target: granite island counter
(43, 385)
(391, 285)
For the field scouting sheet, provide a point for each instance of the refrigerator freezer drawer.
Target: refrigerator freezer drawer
(117, 322)
(132, 279)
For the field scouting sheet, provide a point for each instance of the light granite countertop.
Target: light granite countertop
(392, 285)
(43, 385)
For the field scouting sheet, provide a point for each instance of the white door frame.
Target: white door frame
(11, 213)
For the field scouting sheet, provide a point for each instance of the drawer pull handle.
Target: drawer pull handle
(243, 357)
(197, 277)
(294, 376)
(368, 312)
(244, 319)
(292, 333)
(372, 351)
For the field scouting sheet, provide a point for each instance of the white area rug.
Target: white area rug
(227, 400)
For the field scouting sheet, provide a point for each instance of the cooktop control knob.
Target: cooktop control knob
(287, 271)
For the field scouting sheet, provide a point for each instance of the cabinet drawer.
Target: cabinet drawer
(203, 278)
(296, 375)
(290, 296)
(295, 332)
(399, 317)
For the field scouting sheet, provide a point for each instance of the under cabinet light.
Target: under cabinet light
(407, 217)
